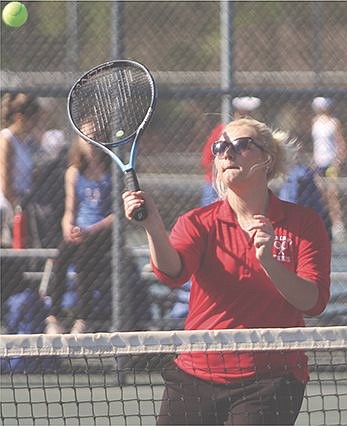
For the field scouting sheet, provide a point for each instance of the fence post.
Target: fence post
(317, 51)
(72, 47)
(226, 29)
(118, 243)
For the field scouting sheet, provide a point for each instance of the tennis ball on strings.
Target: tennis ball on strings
(331, 172)
(120, 134)
(15, 14)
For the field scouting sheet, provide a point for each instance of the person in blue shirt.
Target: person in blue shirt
(19, 114)
(87, 233)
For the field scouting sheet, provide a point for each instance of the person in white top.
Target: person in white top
(329, 153)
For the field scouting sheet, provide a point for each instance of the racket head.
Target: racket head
(112, 103)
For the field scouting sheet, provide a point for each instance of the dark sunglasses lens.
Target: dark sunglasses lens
(241, 144)
(219, 147)
(237, 145)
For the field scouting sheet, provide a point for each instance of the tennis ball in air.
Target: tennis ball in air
(120, 134)
(15, 14)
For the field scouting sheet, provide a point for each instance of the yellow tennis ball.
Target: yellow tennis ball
(120, 134)
(331, 172)
(15, 14)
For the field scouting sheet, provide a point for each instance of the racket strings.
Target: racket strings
(112, 101)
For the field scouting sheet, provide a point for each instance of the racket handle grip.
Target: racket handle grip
(132, 184)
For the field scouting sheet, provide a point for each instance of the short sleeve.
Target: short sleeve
(314, 258)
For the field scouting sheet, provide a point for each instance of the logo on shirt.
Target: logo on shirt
(93, 196)
(282, 248)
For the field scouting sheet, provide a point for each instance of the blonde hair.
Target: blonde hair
(276, 143)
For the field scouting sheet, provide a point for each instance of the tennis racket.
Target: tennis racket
(111, 105)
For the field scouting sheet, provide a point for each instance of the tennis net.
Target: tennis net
(115, 378)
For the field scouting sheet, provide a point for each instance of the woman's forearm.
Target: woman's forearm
(105, 223)
(163, 255)
(299, 292)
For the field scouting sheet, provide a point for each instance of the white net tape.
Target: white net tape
(307, 338)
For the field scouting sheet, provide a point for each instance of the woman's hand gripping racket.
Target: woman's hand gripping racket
(110, 106)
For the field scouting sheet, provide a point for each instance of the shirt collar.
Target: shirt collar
(275, 211)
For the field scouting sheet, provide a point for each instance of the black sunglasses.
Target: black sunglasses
(238, 145)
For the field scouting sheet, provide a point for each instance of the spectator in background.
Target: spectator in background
(301, 186)
(329, 154)
(87, 234)
(17, 156)
(52, 144)
(48, 192)
(243, 107)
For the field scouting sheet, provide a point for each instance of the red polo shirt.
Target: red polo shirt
(231, 290)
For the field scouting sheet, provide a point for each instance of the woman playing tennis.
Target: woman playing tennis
(255, 262)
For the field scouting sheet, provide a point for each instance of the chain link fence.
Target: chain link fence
(202, 55)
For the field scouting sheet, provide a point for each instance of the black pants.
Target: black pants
(93, 267)
(191, 401)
